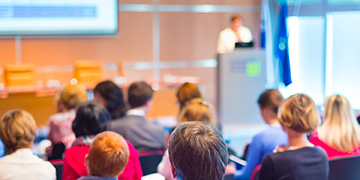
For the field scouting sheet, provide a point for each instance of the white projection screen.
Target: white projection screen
(23, 17)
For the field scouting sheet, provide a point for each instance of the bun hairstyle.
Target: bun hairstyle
(299, 113)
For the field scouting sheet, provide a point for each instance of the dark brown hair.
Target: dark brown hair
(139, 93)
(271, 99)
(198, 151)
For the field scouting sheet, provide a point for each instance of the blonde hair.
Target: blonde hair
(197, 110)
(71, 96)
(340, 129)
(299, 113)
(108, 155)
(17, 130)
(186, 93)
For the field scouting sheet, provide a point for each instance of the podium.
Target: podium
(241, 77)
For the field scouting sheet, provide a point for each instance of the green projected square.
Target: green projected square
(253, 69)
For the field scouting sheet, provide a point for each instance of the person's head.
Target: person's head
(340, 122)
(108, 155)
(187, 92)
(236, 22)
(197, 151)
(70, 97)
(197, 110)
(110, 96)
(140, 94)
(91, 119)
(299, 113)
(17, 130)
(269, 103)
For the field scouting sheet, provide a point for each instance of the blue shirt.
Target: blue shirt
(2, 149)
(262, 144)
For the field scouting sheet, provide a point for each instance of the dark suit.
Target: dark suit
(142, 134)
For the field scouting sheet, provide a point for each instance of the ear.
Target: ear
(173, 176)
(86, 160)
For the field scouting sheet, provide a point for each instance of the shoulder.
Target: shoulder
(244, 28)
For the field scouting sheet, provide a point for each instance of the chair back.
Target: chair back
(58, 164)
(149, 160)
(228, 177)
(344, 168)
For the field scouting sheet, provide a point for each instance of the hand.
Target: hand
(281, 148)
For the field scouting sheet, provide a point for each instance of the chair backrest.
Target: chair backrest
(149, 161)
(58, 164)
(254, 174)
(344, 168)
(20, 75)
(228, 177)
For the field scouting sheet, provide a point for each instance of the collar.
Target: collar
(89, 177)
(25, 151)
(135, 112)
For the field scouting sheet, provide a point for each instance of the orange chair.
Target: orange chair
(20, 75)
(89, 72)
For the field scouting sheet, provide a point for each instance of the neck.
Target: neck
(273, 122)
(297, 140)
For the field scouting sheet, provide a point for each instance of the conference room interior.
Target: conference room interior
(170, 42)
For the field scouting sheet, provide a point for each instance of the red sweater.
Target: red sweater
(331, 152)
(74, 164)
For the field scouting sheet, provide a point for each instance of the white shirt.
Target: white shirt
(23, 164)
(135, 112)
(228, 38)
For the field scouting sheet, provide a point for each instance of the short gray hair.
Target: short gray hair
(198, 151)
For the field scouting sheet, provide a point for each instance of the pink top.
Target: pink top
(331, 152)
(61, 126)
(74, 164)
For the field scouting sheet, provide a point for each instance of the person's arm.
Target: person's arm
(221, 45)
(253, 159)
(138, 171)
(245, 34)
(267, 171)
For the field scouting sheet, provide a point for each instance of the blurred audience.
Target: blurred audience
(107, 158)
(198, 151)
(60, 123)
(18, 131)
(340, 133)
(91, 119)
(134, 127)
(298, 117)
(111, 96)
(266, 141)
(195, 110)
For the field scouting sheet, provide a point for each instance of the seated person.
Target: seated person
(298, 117)
(107, 157)
(266, 141)
(197, 151)
(186, 93)
(340, 133)
(17, 131)
(195, 110)
(60, 123)
(91, 119)
(143, 134)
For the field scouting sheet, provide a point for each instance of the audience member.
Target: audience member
(187, 92)
(134, 127)
(107, 158)
(298, 116)
(17, 131)
(340, 133)
(111, 96)
(197, 151)
(196, 110)
(266, 141)
(60, 123)
(91, 119)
